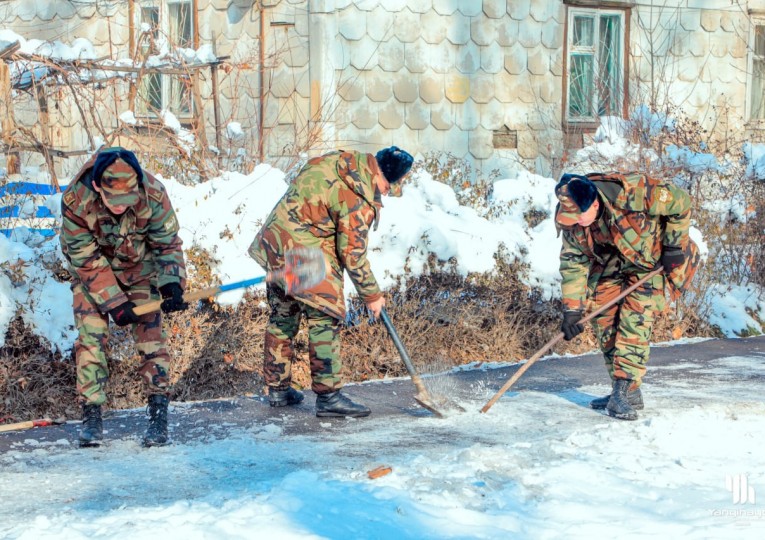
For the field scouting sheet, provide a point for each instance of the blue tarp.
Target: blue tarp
(11, 211)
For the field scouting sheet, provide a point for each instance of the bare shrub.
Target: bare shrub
(33, 381)
(445, 319)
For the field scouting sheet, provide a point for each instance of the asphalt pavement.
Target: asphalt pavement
(198, 421)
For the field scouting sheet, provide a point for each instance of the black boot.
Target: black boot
(619, 406)
(92, 429)
(283, 396)
(336, 404)
(156, 433)
(634, 398)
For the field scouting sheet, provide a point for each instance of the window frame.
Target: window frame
(569, 51)
(754, 22)
(169, 83)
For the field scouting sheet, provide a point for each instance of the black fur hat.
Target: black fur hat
(394, 163)
(580, 189)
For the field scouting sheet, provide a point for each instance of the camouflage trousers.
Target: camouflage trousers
(323, 343)
(624, 330)
(90, 347)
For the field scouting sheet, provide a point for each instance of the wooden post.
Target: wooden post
(132, 44)
(261, 79)
(12, 161)
(216, 110)
(42, 104)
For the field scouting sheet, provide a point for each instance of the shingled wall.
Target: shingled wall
(481, 79)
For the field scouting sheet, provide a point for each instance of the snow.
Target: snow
(80, 48)
(694, 162)
(128, 117)
(518, 471)
(754, 155)
(185, 137)
(732, 307)
(223, 215)
(234, 131)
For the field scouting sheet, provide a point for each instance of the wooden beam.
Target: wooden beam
(9, 50)
(216, 112)
(55, 152)
(44, 119)
(7, 123)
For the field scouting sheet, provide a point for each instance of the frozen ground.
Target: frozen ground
(540, 464)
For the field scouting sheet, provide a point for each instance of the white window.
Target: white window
(595, 59)
(171, 24)
(757, 70)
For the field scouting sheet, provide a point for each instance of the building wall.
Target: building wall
(445, 75)
(480, 79)
(693, 55)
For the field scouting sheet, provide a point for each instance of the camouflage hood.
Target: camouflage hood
(359, 177)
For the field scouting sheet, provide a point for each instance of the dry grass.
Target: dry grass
(443, 319)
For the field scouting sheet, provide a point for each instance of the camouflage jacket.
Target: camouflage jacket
(331, 204)
(107, 252)
(640, 215)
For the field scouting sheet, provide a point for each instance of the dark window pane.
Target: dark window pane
(581, 87)
(758, 89)
(150, 16)
(609, 64)
(181, 24)
(584, 29)
(151, 92)
(759, 40)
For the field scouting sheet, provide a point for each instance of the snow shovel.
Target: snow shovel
(423, 396)
(560, 336)
(29, 424)
(303, 269)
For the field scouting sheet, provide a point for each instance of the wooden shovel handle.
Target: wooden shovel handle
(192, 296)
(29, 424)
(560, 336)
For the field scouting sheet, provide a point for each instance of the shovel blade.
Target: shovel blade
(426, 404)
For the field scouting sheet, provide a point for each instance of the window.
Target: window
(757, 93)
(596, 67)
(171, 26)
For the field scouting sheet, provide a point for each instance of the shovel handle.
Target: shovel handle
(402, 352)
(560, 336)
(191, 296)
(201, 294)
(42, 422)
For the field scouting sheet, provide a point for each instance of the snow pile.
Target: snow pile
(29, 289)
(224, 214)
(754, 156)
(80, 49)
(736, 309)
(651, 123)
(128, 117)
(234, 131)
(185, 138)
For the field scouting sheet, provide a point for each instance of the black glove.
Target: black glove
(173, 295)
(671, 258)
(571, 327)
(124, 315)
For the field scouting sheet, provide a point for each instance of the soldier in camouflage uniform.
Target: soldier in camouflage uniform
(119, 234)
(616, 229)
(330, 205)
